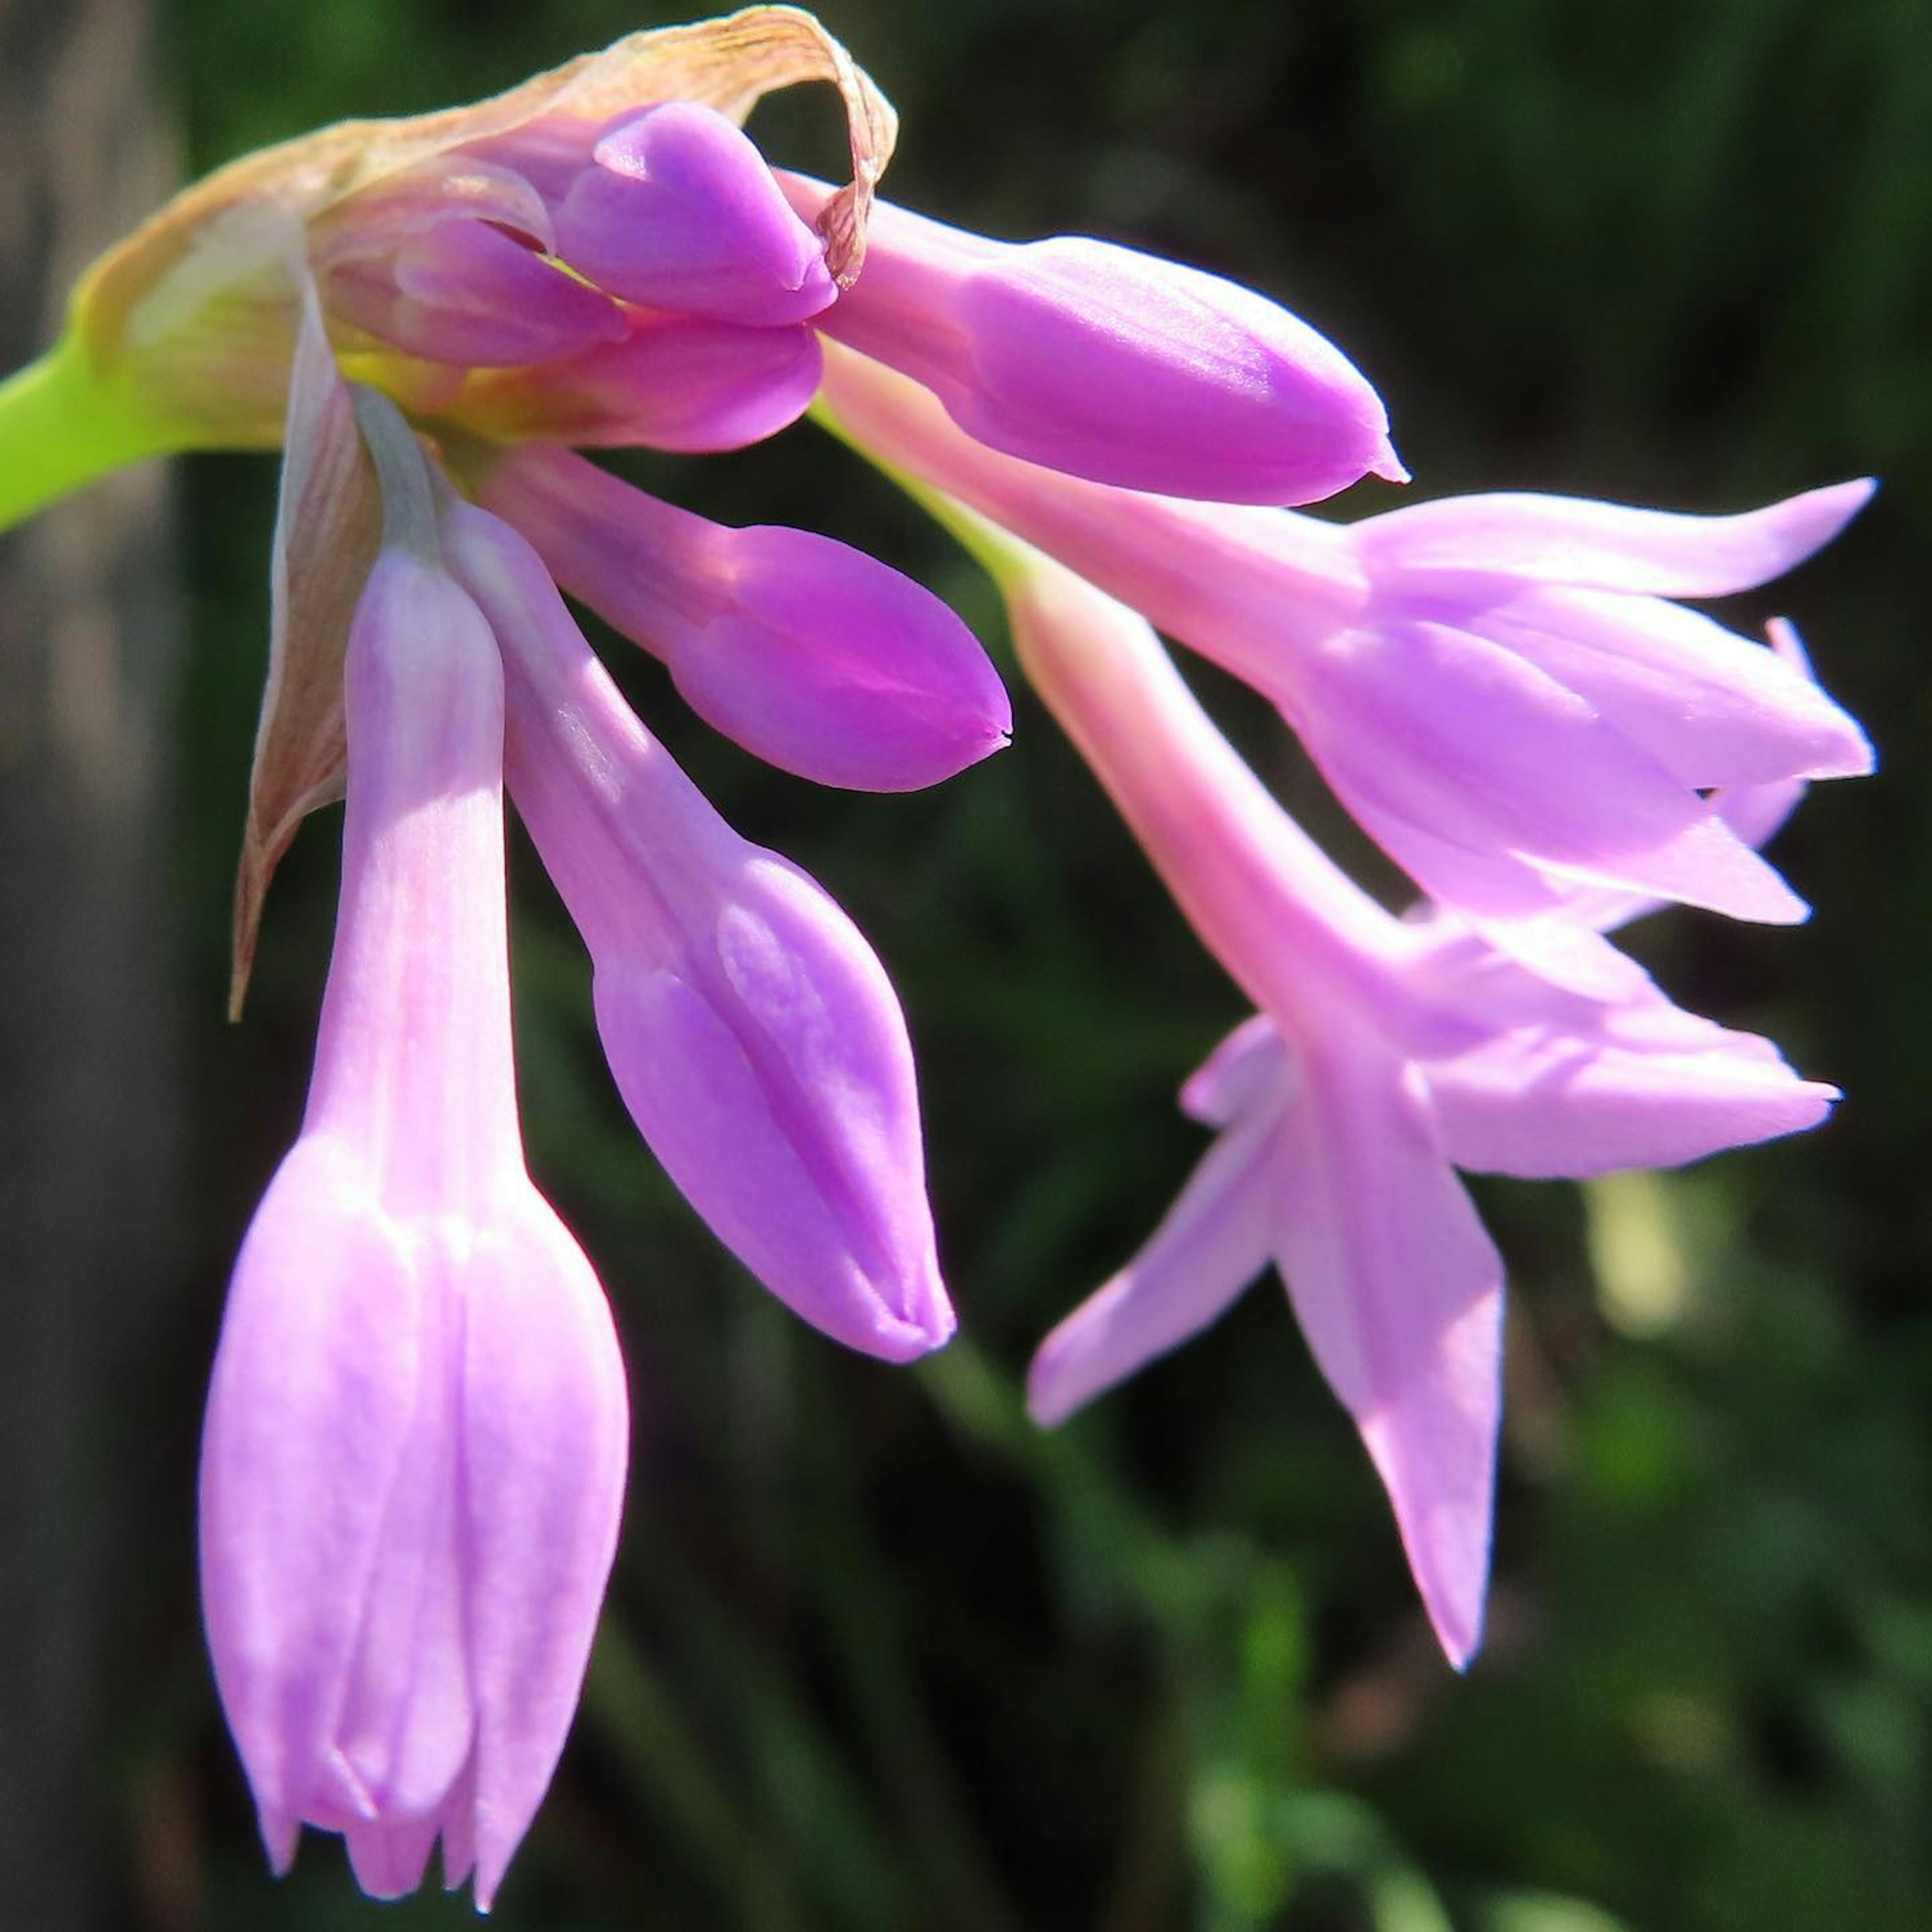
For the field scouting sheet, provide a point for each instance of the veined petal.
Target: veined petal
(464, 293)
(1209, 1245)
(1548, 1102)
(1419, 726)
(810, 654)
(1106, 363)
(1712, 707)
(308, 1419)
(545, 1438)
(1607, 546)
(1400, 1294)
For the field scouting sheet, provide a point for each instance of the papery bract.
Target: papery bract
(752, 1032)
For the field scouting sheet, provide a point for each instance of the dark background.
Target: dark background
(877, 1656)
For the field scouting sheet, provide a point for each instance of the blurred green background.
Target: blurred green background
(877, 1656)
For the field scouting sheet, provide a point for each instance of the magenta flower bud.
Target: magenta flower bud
(670, 382)
(1104, 363)
(750, 1030)
(449, 263)
(416, 1435)
(678, 210)
(1388, 1053)
(814, 656)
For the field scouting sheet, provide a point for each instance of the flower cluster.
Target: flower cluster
(416, 1437)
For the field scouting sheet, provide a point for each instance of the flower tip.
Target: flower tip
(900, 1339)
(1389, 467)
(281, 1834)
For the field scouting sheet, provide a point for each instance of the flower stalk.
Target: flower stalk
(64, 424)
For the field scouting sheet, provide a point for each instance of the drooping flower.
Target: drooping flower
(809, 653)
(752, 1032)
(417, 1429)
(1388, 1053)
(1494, 686)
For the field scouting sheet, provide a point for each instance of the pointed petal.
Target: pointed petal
(1400, 1294)
(406, 1725)
(1711, 706)
(1607, 546)
(777, 1092)
(1655, 1088)
(388, 1859)
(1236, 1076)
(1754, 813)
(1460, 743)
(314, 1388)
(1210, 1244)
(546, 1434)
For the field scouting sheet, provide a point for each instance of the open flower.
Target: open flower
(1494, 685)
(1388, 1053)
(417, 1430)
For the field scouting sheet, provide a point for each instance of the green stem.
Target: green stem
(63, 425)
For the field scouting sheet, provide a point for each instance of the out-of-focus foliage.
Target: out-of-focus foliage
(880, 1656)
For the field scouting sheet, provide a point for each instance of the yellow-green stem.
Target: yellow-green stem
(63, 424)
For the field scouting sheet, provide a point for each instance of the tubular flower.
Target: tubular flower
(1388, 1053)
(1494, 686)
(750, 1030)
(416, 1435)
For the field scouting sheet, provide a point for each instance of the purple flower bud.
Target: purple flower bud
(1104, 363)
(678, 210)
(670, 382)
(752, 1032)
(813, 656)
(416, 1435)
(447, 262)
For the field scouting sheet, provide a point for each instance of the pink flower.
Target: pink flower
(416, 1434)
(1388, 1054)
(1494, 686)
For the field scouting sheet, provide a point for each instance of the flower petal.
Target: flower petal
(546, 1433)
(1423, 728)
(1606, 546)
(1711, 706)
(308, 1417)
(1400, 1294)
(1209, 1245)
